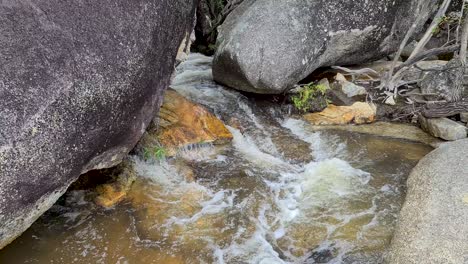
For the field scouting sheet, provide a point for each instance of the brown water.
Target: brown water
(280, 193)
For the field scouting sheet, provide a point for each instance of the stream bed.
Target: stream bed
(279, 193)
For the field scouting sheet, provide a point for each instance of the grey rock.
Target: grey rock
(464, 117)
(79, 83)
(414, 74)
(349, 88)
(432, 225)
(267, 47)
(443, 128)
(440, 84)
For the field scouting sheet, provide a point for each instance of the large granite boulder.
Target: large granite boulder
(432, 223)
(268, 46)
(79, 83)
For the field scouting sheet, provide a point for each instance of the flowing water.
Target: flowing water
(279, 193)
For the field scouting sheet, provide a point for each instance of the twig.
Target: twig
(363, 71)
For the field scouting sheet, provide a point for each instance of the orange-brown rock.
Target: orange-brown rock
(109, 195)
(358, 113)
(113, 192)
(183, 122)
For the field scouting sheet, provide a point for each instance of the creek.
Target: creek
(279, 193)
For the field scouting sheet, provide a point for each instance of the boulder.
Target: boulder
(443, 128)
(441, 84)
(358, 113)
(182, 123)
(432, 223)
(79, 83)
(266, 47)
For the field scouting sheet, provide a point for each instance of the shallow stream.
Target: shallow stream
(279, 193)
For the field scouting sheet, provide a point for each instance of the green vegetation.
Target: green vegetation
(156, 152)
(450, 21)
(309, 92)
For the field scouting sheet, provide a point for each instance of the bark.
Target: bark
(445, 109)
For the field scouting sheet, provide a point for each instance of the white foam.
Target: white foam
(321, 147)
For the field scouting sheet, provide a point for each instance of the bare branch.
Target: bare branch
(430, 31)
(464, 41)
(429, 53)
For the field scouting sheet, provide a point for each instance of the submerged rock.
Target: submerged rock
(432, 223)
(266, 47)
(110, 194)
(358, 113)
(443, 128)
(391, 130)
(182, 123)
(79, 83)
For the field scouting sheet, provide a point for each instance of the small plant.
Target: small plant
(302, 101)
(156, 152)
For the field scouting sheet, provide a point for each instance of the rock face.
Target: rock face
(432, 224)
(443, 128)
(266, 47)
(79, 83)
(183, 122)
(442, 83)
(358, 113)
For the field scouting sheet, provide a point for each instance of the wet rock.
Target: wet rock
(321, 256)
(443, 128)
(432, 223)
(358, 113)
(80, 82)
(110, 194)
(391, 130)
(266, 47)
(182, 123)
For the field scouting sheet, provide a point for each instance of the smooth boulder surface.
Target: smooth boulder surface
(79, 83)
(432, 223)
(268, 46)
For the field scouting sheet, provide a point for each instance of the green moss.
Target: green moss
(155, 152)
(303, 100)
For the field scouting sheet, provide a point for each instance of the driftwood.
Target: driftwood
(430, 31)
(429, 53)
(445, 109)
